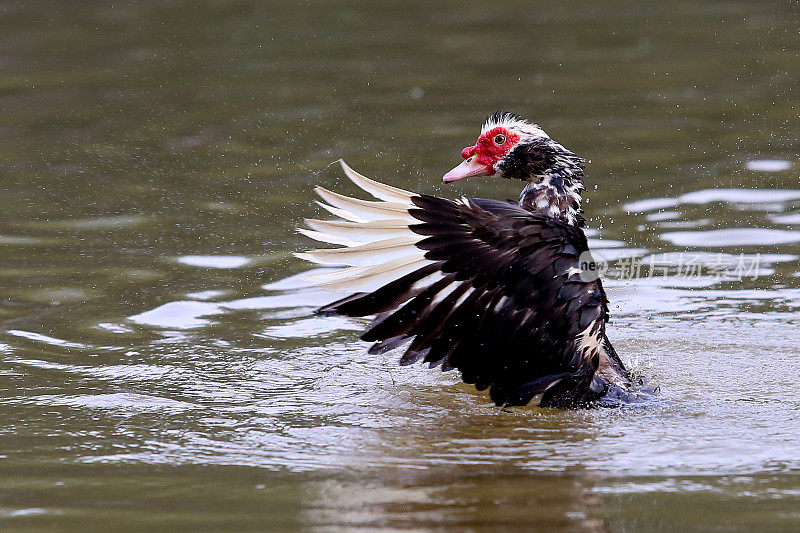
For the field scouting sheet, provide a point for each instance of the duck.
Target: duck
(497, 290)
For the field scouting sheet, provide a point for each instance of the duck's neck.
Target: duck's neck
(554, 175)
(556, 196)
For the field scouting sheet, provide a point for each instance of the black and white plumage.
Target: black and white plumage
(491, 288)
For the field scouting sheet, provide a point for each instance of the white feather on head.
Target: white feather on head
(514, 123)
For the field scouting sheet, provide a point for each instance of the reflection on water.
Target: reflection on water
(743, 197)
(159, 369)
(769, 165)
(214, 261)
(732, 237)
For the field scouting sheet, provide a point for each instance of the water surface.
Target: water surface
(155, 159)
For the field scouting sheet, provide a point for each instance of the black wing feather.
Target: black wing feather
(515, 309)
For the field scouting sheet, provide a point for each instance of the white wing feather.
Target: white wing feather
(381, 191)
(377, 244)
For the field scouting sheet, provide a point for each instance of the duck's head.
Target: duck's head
(500, 142)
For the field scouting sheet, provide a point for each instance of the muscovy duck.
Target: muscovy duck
(492, 288)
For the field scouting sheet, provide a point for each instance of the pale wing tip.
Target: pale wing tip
(341, 213)
(379, 190)
(290, 283)
(362, 181)
(275, 286)
(304, 256)
(324, 237)
(311, 234)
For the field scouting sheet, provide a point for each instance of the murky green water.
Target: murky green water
(155, 158)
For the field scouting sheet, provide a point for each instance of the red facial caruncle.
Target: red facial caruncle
(492, 146)
(487, 151)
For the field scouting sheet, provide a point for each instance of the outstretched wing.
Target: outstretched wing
(478, 285)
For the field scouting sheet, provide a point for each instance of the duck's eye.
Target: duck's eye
(499, 139)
